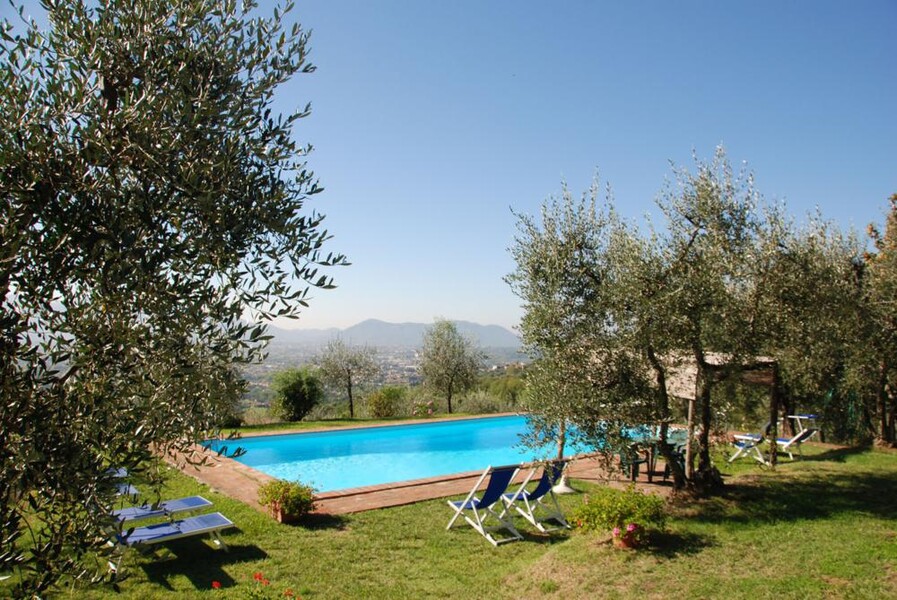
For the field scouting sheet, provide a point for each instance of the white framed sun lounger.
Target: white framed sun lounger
(748, 445)
(532, 505)
(805, 422)
(211, 523)
(122, 487)
(477, 512)
(785, 445)
(163, 509)
(126, 489)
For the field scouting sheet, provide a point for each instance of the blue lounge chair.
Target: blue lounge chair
(122, 487)
(785, 444)
(532, 505)
(164, 509)
(748, 445)
(478, 511)
(211, 523)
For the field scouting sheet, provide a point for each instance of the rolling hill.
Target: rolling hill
(381, 334)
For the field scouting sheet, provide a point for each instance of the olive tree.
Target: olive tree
(296, 392)
(577, 267)
(345, 367)
(449, 362)
(616, 311)
(811, 317)
(152, 208)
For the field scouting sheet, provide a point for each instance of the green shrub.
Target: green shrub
(423, 409)
(610, 508)
(481, 402)
(385, 402)
(296, 392)
(292, 498)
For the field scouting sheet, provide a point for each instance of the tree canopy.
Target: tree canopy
(296, 392)
(878, 353)
(449, 362)
(151, 204)
(612, 312)
(345, 367)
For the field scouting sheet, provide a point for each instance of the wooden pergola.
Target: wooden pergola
(682, 382)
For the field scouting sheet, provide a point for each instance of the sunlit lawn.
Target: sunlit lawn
(820, 528)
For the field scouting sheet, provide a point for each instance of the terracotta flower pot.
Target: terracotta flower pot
(625, 541)
(281, 516)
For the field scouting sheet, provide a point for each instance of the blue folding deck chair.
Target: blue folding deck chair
(532, 504)
(748, 445)
(167, 508)
(786, 444)
(211, 523)
(122, 487)
(478, 511)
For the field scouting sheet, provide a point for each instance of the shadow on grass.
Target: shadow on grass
(199, 562)
(318, 521)
(801, 498)
(537, 537)
(839, 455)
(672, 545)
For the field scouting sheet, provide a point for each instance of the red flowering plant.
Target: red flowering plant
(261, 589)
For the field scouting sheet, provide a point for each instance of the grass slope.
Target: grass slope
(823, 527)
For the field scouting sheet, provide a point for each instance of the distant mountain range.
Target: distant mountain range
(392, 335)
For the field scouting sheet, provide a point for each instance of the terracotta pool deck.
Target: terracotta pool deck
(238, 481)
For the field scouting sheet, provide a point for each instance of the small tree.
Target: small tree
(345, 367)
(577, 323)
(296, 392)
(449, 362)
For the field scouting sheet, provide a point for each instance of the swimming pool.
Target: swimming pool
(349, 458)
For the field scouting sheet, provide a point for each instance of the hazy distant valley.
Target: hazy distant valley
(381, 334)
(396, 347)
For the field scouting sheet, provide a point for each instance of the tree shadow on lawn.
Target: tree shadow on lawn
(199, 562)
(316, 521)
(838, 455)
(670, 544)
(532, 536)
(793, 498)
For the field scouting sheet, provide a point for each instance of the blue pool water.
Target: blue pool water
(348, 458)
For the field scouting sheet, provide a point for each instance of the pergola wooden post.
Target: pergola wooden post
(774, 403)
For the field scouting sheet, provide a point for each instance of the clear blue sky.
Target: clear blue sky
(432, 119)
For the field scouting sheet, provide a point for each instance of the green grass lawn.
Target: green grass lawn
(823, 527)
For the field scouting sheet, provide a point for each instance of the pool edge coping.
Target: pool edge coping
(241, 482)
(252, 434)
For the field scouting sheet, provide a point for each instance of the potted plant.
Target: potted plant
(628, 537)
(288, 500)
(627, 514)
